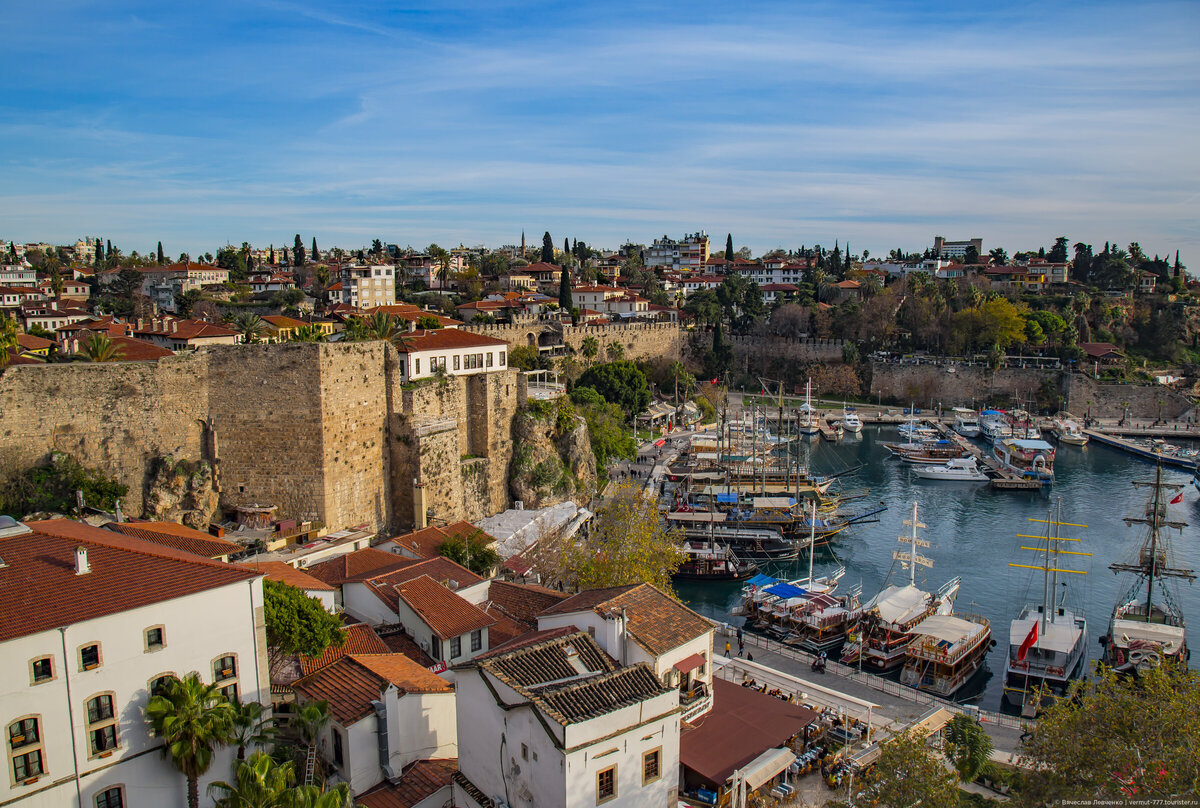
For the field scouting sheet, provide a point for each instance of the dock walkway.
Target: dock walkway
(1144, 452)
(1002, 478)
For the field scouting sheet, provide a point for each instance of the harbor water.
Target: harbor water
(973, 532)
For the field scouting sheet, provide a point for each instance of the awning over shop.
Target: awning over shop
(767, 765)
(689, 663)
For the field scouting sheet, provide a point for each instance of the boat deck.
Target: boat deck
(1001, 478)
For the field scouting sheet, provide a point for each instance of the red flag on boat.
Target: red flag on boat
(1178, 498)
(716, 380)
(1030, 639)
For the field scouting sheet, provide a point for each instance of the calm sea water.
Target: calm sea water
(973, 531)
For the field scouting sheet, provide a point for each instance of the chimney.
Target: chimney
(174, 326)
(82, 567)
(412, 326)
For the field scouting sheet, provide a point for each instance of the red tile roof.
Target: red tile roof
(287, 574)
(40, 591)
(442, 339)
(425, 542)
(522, 602)
(356, 566)
(185, 330)
(28, 342)
(181, 537)
(419, 781)
(446, 613)
(360, 639)
(505, 628)
(439, 568)
(657, 621)
(354, 681)
(138, 350)
(400, 643)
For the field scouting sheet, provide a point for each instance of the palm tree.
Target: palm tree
(257, 783)
(312, 797)
(250, 727)
(308, 333)
(310, 719)
(380, 325)
(192, 719)
(100, 348)
(250, 325)
(968, 747)
(9, 347)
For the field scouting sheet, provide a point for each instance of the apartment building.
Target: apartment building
(365, 287)
(955, 249)
(689, 253)
(450, 350)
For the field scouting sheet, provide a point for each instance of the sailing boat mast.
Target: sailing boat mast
(1148, 562)
(1050, 566)
(911, 558)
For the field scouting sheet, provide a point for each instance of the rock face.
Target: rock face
(181, 491)
(552, 457)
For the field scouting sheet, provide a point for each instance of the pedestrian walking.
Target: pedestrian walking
(727, 648)
(741, 647)
(739, 635)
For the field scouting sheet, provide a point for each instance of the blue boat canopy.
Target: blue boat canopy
(762, 580)
(730, 497)
(786, 591)
(1024, 443)
(991, 412)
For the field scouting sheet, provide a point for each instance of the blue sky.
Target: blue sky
(785, 123)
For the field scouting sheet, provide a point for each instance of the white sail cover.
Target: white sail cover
(899, 604)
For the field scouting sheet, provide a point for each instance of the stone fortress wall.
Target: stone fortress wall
(326, 432)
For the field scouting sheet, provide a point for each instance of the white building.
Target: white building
(551, 719)
(639, 623)
(387, 713)
(689, 253)
(16, 275)
(955, 249)
(453, 351)
(610, 300)
(367, 286)
(93, 620)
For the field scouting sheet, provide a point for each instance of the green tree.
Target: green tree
(722, 354)
(621, 383)
(999, 256)
(316, 256)
(192, 719)
(9, 346)
(51, 488)
(590, 347)
(377, 249)
(259, 782)
(729, 246)
(472, 551)
(628, 544)
(527, 357)
(298, 252)
(186, 301)
(564, 291)
(1058, 253)
(907, 773)
(127, 284)
(234, 260)
(100, 348)
(547, 248)
(250, 726)
(160, 254)
(971, 255)
(1118, 738)
(968, 746)
(704, 306)
(250, 326)
(297, 624)
(308, 333)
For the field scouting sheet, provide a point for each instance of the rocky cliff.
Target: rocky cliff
(181, 491)
(552, 456)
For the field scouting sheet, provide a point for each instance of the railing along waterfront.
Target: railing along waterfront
(868, 679)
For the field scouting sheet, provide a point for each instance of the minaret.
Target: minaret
(522, 243)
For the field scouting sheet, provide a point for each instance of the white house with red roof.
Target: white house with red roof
(94, 621)
(424, 354)
(180, 335)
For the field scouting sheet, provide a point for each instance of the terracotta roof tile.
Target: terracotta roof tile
(419, 781)
(522, 602)
(181, 537)
(39, 589)
(353, 682)
(360, 639)
(442, 339)
(287, 574)
(439, 568)
(505, 628)
(657, 621)
(399, 642)
(356, 565)
(446, 613)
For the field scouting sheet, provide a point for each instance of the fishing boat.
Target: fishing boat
(960, 469)
(917, 431)
(1032, 459)
(808, 424)
(851, 422)
(966, 422)
(706, 561)
(881, 636)
(761, 543)
(946, 651)
(1047, 642)
(932, 452)
(1148, 629)
(994, 426)
(1022, 425)
(1066, 430)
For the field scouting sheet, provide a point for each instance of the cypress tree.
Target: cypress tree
(99, 253)
(107, 248)
(729, 246)
(271, 257)
(566, 250)
(718, 349)
(564, 291)
(316, 256)
(160, 253)
(1177, 267)
(298, 252)
(547, 248)
(847, 256)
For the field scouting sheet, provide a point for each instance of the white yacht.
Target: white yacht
(960, 469)
(966, 422)
(1066, 430)
(850, 420)
(994, 426)
(810, 421)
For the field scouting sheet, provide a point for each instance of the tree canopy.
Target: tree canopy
(297, 624)
(621, 383)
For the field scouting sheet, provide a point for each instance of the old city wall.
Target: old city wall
(974, 385)
(637, 340)
(324, 432)
(755, 352)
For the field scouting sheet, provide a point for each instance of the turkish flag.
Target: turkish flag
(716, 380)
(1030, 639)
(1178, 498)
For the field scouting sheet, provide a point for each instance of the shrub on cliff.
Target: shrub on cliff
(51, 488)
(621, 383)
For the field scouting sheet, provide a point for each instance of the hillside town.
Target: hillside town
(381, 527)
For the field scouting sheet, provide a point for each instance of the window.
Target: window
(110, 798)
(102, 724)
(606, 785)
(25, 749)
(502, 358)
(154, 638)
(477, 639)
(402, 370)
(456, 358)
(524, 752)
(435, 648)
(338, 759)
(158, 682)
(456, 648)
(416, 367)
(89, 657)
(491, 356)
(43, 669)
(224, 668)
(651, 767)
